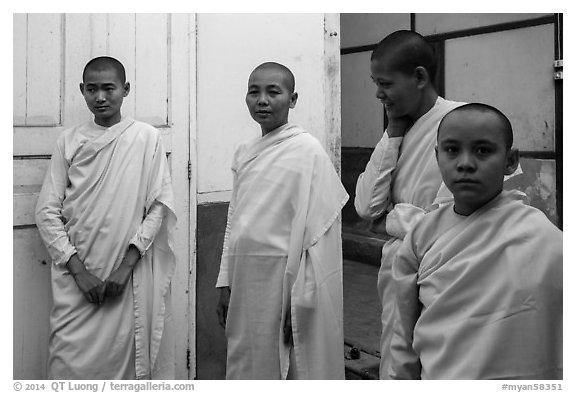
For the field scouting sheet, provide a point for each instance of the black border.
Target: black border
(558, 117)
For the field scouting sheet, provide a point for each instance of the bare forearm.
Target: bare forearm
(75, 265)
(91, 286)
(132, 257)
(222, 306)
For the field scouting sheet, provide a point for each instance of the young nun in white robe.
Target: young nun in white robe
(479, 281)
(280, 277)
(402, 179)
(106, 216)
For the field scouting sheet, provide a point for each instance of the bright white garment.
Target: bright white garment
(107, 188)
(479, 296)
(401, 179)
(282, 250)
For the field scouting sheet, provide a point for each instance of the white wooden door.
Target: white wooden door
(50, 51)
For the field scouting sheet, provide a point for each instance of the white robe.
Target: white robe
(479, 296)
(282, 250)
(401, 179)
(100, 186)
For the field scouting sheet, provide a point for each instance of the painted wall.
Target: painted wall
(428, 24)
(513, 71)
(230, 46)
(211, 342)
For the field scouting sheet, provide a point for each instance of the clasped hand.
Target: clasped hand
(95, 290)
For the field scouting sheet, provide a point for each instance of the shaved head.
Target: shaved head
(288, 75)
(105, 63)
(404, 50)
(506, 126)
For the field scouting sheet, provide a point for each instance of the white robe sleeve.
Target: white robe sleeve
(404, 362)
(48, 215)
(223, 279)
(373, 186)
(149, 227)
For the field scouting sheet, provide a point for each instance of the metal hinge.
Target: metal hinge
(189, 170)
(558, 71)
(188, 359)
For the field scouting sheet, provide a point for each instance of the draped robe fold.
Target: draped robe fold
(283, 251)
(113, 179)
(480, 296)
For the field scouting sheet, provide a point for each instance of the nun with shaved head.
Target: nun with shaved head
(280, 277)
